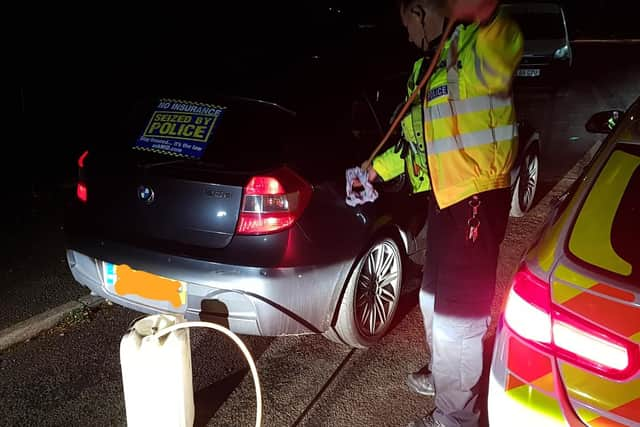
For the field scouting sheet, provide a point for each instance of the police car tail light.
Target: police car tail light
(528, 308)
(273, 202)
(81, 187)
(587, 346)
(530, 313)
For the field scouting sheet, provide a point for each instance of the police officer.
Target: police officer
(467, 126)
(424, 31)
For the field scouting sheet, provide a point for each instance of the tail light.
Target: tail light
(273, 202)
(81, 159)
(81, 188)
(81, 192)
(530, 313)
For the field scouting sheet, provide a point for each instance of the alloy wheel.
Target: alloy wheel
(378, 288)
(528, 181)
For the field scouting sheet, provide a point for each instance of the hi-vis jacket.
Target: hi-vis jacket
(469, 122)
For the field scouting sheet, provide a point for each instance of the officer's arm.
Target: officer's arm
(498, 52)
(389, 164)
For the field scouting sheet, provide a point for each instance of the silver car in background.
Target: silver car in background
(548, 56)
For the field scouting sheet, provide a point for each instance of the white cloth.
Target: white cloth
(368, 194)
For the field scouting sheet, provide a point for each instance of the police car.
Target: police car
(567, 348)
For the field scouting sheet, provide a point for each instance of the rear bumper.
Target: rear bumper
(250, 300)
(523, 385)
(504, 409)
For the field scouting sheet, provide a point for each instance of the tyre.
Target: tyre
(524, 189)
(371, 296)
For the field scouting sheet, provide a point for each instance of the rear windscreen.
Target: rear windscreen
(236, 134)
(606, 232)
(625, 233)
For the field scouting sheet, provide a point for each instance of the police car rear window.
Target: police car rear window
(606, 232)
(625, 233)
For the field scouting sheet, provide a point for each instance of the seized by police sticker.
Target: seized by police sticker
(180, 128)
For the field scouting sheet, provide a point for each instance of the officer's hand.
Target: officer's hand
(371, 176)
(472, 10)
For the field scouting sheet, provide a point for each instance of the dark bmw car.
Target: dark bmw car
(242, 221)
(226, 202)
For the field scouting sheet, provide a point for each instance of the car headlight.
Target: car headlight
(562, 53)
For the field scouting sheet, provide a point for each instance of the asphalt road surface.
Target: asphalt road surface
(71, 375)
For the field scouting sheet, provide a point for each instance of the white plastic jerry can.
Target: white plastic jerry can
(156, 374)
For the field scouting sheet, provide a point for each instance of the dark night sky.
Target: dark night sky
(64, 41)
(75, 58)
(602, 18)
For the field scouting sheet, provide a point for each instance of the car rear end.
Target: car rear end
(567, 348)
(232, 235)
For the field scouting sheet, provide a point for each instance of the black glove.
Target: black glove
(402, 147)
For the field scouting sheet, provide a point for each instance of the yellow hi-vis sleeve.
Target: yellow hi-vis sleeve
(498, 51)
(389, 164)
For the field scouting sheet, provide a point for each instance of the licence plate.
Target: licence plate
(127, 282)
(528, 72)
